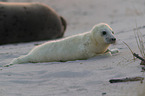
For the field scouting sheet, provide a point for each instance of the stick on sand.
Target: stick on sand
(126, 79)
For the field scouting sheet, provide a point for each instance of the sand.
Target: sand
(81, 77)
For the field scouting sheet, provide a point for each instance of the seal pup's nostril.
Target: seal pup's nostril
(113, 39)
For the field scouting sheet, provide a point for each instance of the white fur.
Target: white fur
(75, 47)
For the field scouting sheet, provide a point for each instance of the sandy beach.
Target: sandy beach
(81, 77)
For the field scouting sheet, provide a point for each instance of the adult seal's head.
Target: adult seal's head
(24, 22)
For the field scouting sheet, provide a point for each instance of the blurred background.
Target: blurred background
(16, 0)
(82, 15)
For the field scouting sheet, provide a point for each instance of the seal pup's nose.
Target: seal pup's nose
(113, 39)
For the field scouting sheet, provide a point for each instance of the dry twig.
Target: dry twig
(126, 79)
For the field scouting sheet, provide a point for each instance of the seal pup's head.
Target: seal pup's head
(103, 33)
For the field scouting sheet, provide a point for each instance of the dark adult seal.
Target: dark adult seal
(24, 22)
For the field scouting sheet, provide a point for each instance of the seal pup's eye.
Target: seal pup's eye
(104, 32)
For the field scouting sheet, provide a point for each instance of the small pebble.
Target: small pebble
(104, 94)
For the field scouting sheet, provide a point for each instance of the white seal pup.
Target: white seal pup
(75, 47)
